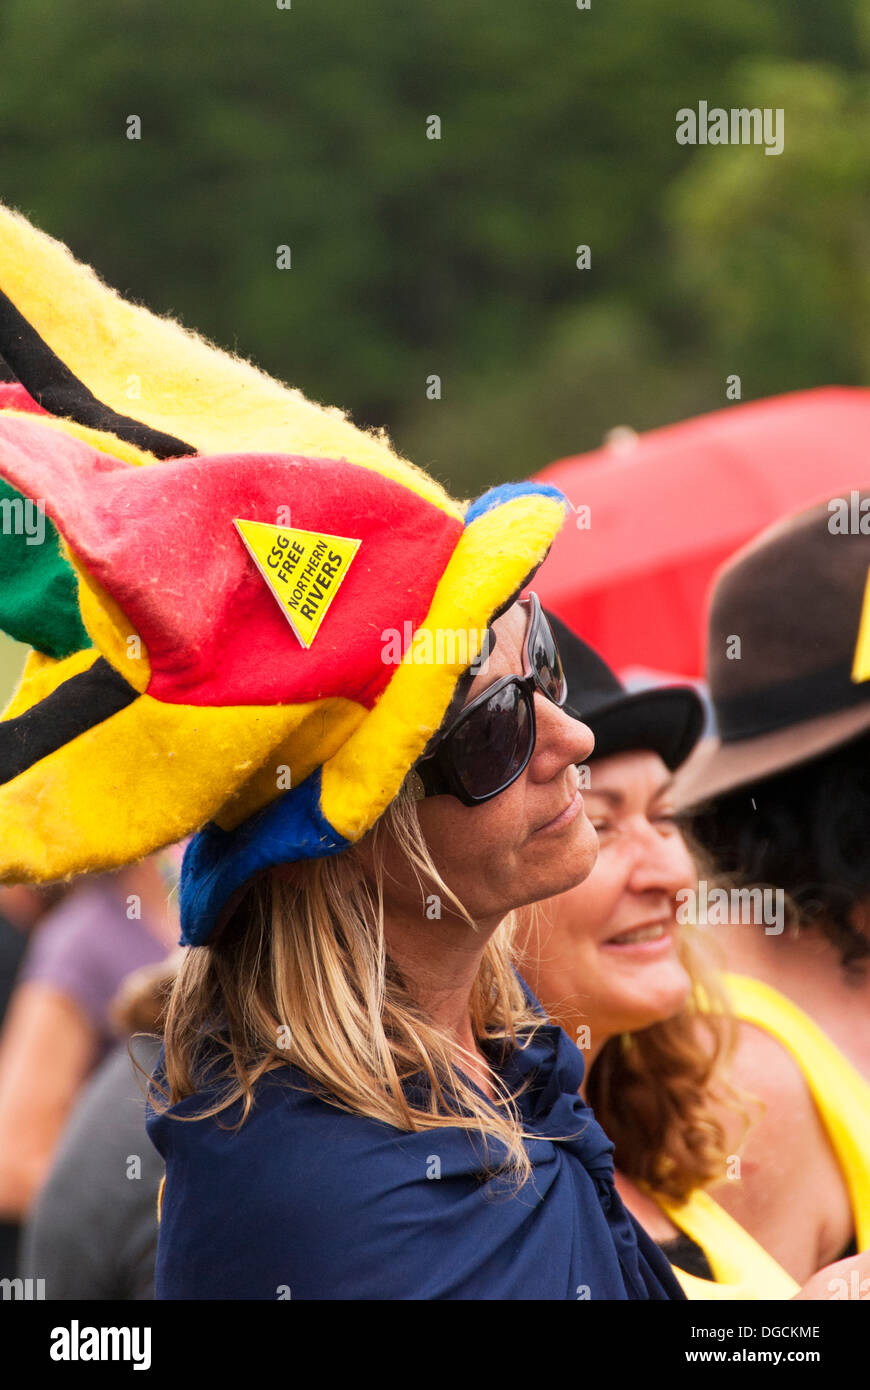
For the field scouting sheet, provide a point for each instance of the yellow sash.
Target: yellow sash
(841, 1094)
(742, 1268)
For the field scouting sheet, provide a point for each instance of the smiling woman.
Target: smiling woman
(616, 964)
(612, 963)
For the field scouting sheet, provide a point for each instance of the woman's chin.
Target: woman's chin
(573, 870)
(579, 854)
(653, 994)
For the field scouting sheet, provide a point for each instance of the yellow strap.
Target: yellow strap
(742, 1268)
(160, 1198)
(841, 1094)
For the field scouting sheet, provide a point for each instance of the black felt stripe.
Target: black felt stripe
(71, 709)
(57, 390)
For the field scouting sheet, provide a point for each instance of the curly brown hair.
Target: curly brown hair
(655, 1092)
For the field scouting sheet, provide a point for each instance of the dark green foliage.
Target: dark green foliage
(307, 127)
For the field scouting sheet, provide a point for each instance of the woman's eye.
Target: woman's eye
(668, 819)
(601, 826)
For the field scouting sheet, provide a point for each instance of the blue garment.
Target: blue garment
(308, 1201)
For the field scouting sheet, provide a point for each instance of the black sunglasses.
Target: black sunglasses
(489, 743)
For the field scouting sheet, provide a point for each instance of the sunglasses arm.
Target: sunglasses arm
(426, 778)
(416, 786)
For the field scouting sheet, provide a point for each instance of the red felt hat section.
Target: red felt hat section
(14, 397)
(161, 541)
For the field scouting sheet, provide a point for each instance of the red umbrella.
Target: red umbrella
(667, 507)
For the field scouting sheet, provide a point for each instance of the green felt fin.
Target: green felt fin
(38, 587)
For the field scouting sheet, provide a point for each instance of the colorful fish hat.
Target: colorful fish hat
(227, 603)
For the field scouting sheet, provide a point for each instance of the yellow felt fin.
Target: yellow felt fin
(148, 767)
(170, 379)
(861, 663)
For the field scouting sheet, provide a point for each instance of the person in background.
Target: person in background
(22, 906)
(614, 964)
(92, 1232)
(58, 1028)
(780, 802)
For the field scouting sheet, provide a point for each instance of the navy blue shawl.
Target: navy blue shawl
(308, 1201)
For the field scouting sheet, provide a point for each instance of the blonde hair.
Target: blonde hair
(300, 973)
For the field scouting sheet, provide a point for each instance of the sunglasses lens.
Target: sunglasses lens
(548, 663)
(489, 748)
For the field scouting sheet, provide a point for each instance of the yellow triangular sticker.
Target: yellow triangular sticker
(302, 568)
(861, 662)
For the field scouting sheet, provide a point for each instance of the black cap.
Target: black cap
(668, 720)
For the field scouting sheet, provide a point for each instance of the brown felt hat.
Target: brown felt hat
(784, 694)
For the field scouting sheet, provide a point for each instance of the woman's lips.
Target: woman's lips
(647, 939)
(571, 811)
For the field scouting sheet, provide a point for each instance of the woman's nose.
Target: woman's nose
(561, 738)
(658, 861)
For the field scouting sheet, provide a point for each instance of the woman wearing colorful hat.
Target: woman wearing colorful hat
(616, 962)
(359, 1098)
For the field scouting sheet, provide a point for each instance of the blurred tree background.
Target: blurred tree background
(457, 257)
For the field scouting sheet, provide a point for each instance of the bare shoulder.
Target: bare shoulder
(773, 1106)
(763, 1067)
(782, 1163)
